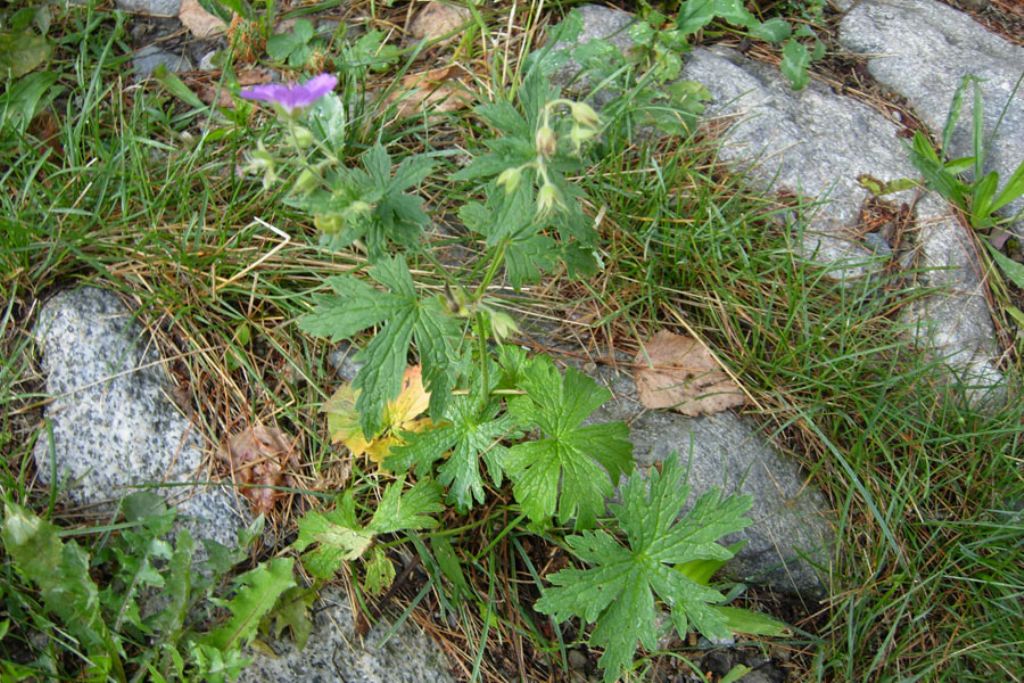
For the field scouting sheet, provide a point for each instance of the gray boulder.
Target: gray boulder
(335, 654)
(811, 142)
(789, 545)
(816, 144)
(149, 58)
(112, 427)
(954, 325)
(154, 8)
(922, 49)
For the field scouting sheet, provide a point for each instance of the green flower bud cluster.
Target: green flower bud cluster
(585, 124)
(332, 223)
(261, 161)
(545, 141)
(547, 198)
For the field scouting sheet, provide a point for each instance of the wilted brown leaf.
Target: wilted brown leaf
(207, 85)
(437, 19)
(201, 23)
(261, 457)
(684, 377)
(436, 91)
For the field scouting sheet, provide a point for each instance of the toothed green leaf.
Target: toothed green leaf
(258, 591)
(405, 510)
(61, 571)
(403, 317)
(617, 592)
(583, 461)
(469, 434)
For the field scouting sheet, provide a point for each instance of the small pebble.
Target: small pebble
(577, 660)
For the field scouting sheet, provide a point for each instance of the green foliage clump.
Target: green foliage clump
(617, 592)
(495, 413)
(119, 627)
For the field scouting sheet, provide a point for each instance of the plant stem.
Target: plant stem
(492, 269)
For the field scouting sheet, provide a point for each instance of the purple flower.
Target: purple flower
(294, 96)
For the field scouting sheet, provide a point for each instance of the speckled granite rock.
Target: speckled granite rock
(921, 49)
(334, 653)
(149, 58)
(790, 541)
(599, 23)
(113, 426)
(955, 325)
(811, 142)
(816, 143)
(156, 8)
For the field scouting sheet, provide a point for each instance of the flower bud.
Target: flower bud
(579, 135)
(545, 142)
(302, 136)
(358, 208)
(547, 198)
(259, 160)
(502, 325)
(305, 183)
(509, 179)
(269, 178)
(329, 223)
(585, 115)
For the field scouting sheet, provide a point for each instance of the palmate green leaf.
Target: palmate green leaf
(584, 461)
(340, 537)
(509, 152)
(469, 434)
(528, 258)
(504, 118)
(258, 591)
(370, 203)
(528, 252)
(356, 306)
(380, 572)
(407, 510)
(618, 591)
(61, 571)
(292, 613)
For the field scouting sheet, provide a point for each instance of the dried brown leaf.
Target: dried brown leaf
(201, 23)
(261, 457)
(437, 19)
(207, 85)
(684, 377)
(436, 91)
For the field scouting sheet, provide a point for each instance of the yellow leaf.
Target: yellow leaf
(401, 415)
(343, 420)
(412, 400)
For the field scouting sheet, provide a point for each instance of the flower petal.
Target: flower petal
(293, 96)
